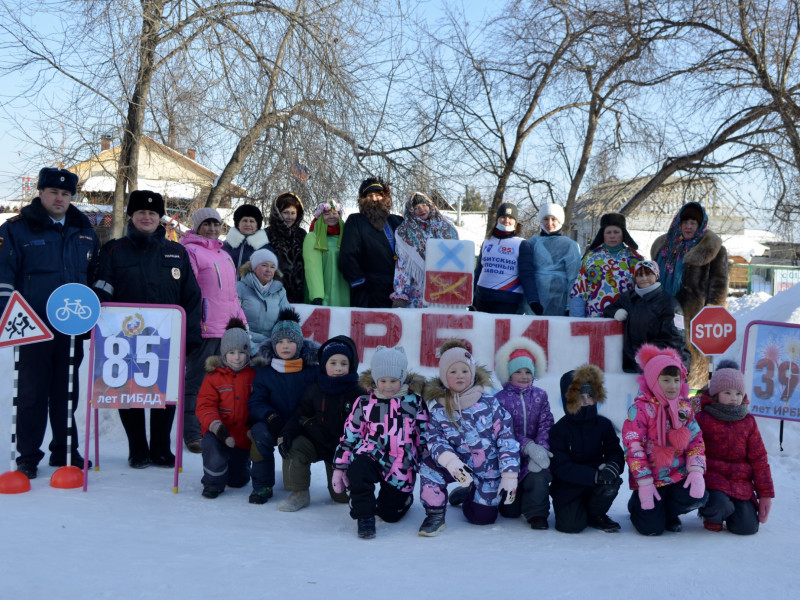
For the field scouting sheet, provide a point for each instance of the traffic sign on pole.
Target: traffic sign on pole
(21, 325)
(713, 330)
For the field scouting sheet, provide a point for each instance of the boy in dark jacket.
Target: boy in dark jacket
(287, 366)
(587, 456)
(650, 315)
(313, 433)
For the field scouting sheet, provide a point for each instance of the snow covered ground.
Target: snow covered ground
(130, 536)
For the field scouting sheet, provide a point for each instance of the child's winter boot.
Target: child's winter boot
(433, 524)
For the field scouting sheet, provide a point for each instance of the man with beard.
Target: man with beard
(367, 255)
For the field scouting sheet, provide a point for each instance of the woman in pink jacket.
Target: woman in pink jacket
(216, 275)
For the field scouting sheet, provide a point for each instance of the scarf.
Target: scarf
(455, 402)
(321, 234)
(668, 442)
(290, 365)
(726, 412)
(670, 257)
(335, 386)
(401, 394)
(501, 235)
(642, 292)
(613, 250)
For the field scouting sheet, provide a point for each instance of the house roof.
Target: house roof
(185, 189)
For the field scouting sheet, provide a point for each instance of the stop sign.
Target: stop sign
(713, 330)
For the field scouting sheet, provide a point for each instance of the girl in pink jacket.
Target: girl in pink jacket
(663, 444)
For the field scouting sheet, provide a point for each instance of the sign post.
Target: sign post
(713, 330)
(137, 361)
(20, 325)
(72, 309)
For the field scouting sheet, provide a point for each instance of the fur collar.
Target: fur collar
(434, 388)
(214, 362)
(256, 240)
(587, 373)
(702, 253)
(503, 354)
(415, 382)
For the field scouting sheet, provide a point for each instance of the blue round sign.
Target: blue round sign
(73, 309)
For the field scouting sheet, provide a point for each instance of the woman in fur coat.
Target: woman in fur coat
(246, 236)
(694, 269)
(287, 236)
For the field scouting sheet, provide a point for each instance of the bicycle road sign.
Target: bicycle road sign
(21, 325)
(73, 309)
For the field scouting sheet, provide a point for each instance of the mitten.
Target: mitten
(648, 496)
(537, 308)
(317, 302)
(764, 506)
(621, 314)
(696, 484)
(508, 484)
(285, 445)
(339, 481)
(456, 468)
(538, 455)
(221, 432)
(607, 474)
(274, 424)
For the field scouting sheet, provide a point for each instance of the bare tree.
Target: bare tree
(744, 77)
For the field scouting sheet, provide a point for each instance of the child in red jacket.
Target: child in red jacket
(738, 476)
(222, 412)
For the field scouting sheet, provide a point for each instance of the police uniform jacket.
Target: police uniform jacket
(149, 269)
(36, 258)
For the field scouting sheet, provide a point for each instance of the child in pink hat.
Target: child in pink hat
(663, 444)
(738, 476)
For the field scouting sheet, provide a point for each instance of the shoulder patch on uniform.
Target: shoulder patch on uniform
(14, 219)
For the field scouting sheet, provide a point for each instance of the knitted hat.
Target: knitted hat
(145, 200)
(389, 362)
(261, 256)
(288, 326)
(507, 209)
(520, 359)
(647, 264)
(727, 376)
(204, 214)
(653, 360)
(453, 356)
(552, 210)
(234, 338)
(247, 210)
(341, 344)
(692, 210)
(420, 198)
(617, 220)
(326, 205)
(61, 179)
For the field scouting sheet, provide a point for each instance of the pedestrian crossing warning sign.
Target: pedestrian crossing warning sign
(21, 325)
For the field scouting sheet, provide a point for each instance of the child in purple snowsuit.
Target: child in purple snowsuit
(470, 439)
(515, 365)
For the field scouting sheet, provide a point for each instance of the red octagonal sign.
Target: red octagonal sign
(713, 330)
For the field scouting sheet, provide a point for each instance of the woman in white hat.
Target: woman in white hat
(556, 261)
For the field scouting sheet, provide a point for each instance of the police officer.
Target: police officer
(48, 244)
(146, 268)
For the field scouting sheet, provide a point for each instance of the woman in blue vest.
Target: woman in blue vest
(505, 267)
